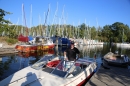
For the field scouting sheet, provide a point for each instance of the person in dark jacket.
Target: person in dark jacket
(71, 53)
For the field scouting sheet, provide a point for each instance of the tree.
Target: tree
(2, 14)
(106, 33)
(3, 23)
(93, 32)
(119, 30)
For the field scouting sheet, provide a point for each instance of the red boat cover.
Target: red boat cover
(23, 38)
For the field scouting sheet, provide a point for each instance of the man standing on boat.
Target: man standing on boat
(71, 53)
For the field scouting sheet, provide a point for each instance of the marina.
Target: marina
(102, 77)
(64, 45)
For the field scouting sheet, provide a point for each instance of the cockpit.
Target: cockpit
(61, 67)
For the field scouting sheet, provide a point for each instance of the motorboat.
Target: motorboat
(26, 48)
(53, 71)
(116, 59)
(28, 45)
(37, 44)
(48, 43)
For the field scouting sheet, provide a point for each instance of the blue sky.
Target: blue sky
(105, 12)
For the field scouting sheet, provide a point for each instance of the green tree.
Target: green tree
(93, 33)
(119, 30)
(2, 14)
(4, 23)
(106, 33)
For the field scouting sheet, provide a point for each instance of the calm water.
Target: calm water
(10, 64)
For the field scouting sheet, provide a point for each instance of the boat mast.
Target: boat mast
(22, 22)
(73, 30)
(97, 28)
(25, 22)
(62, 18)
(123, 37)
(46, 17)
(31, 18)
(78, 29)
(54, 20)
(47, 31)
(16, 27)
(65, 28)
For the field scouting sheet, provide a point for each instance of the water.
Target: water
(15, 62)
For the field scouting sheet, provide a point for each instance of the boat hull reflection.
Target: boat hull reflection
(40, 53)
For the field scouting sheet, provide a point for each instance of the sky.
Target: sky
(74, 12)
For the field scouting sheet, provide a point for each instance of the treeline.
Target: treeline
(117, 32)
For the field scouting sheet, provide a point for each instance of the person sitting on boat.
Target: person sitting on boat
(71, 53)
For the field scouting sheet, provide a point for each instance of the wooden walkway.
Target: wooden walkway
(5, 51)
(110, 76)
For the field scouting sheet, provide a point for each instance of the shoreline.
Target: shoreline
(7, 49)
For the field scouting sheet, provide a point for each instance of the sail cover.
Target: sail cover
(30, 38)
(23, 38)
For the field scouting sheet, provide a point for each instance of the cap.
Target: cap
(72, 42)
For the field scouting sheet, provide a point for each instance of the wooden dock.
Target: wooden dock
(110, 76)
(5, 51)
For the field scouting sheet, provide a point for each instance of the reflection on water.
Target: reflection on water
(13, 63)
(90, 50)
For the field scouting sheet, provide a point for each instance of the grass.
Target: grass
(8, 40)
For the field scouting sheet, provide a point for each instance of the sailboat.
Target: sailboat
(33, 44)
(47, 41)
(25, 40)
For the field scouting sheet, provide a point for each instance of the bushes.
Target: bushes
(11, 41)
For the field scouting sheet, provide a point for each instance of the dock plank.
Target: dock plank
(5, 51)
(115, 76)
